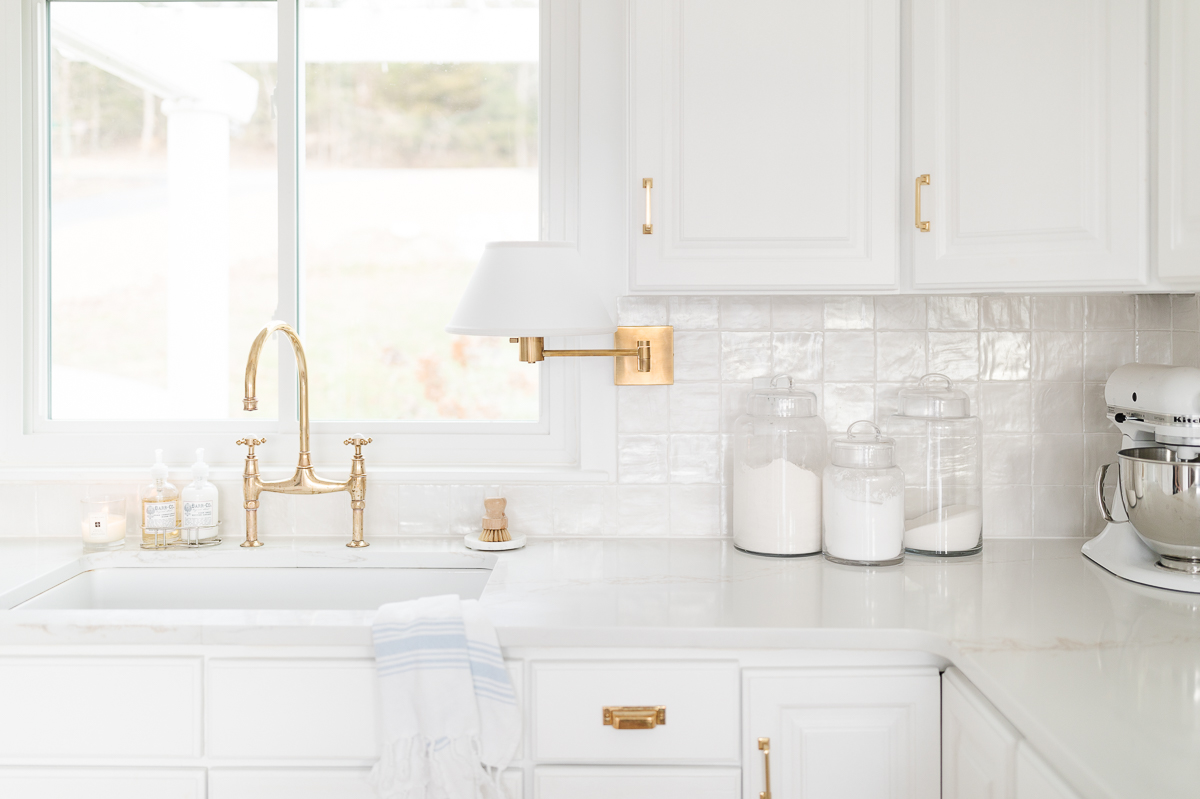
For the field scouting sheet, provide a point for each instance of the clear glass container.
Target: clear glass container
(778, 456)
(863, 499)
(102, 522)
(938, 447)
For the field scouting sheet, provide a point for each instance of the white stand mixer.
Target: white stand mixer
(1154, 407)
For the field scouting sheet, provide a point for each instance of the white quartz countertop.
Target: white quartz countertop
(1101, 675)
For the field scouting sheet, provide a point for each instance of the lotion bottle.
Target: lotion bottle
(160, 506)
(199, 502)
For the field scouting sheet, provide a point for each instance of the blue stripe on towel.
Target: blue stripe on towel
(455, 641)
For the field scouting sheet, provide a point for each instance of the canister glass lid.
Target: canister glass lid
(864, 447)
(934, 396)
(776, 396)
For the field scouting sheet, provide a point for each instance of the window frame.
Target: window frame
(557, 447)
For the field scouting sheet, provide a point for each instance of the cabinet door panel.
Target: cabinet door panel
(844, 732)
(1036, 779)
(1179, 141)
(101, 783)
(770, 132)
(634, 782)
(312, 783)
(1030, 118)
(979, 747)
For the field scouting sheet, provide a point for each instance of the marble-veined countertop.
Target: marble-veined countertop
(1101, 675)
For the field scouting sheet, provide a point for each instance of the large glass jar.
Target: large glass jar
(778, 458)
(938, 447)
(863, 499)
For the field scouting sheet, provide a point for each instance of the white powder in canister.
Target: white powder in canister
(860, 529)
(954, 528)
(777, 508)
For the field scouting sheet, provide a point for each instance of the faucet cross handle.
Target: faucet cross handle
(252, 443)
(358, 442)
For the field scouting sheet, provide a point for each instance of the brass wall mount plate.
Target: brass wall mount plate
(662, 356)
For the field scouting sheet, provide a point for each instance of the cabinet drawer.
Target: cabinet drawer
(311, 783)
(99, 707)
(634, 782)
(101, 783)
(701, 701)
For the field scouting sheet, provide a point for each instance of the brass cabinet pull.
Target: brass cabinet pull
(647, 184)
(765, 745)
(921, 181)
(635, 718)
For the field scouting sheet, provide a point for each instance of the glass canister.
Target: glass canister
(778, 457)
(864, 499)
(938, 447)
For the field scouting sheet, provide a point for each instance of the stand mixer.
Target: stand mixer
(1153, 531)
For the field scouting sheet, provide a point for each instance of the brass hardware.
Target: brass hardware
(653, 347)
(304, 481)
(647, 184)
(764, 744)
(635, 718)
(921, 181)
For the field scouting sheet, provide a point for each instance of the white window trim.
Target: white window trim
(583, 155)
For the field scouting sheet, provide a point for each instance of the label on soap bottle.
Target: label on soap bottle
(159, 515)
(198, 513)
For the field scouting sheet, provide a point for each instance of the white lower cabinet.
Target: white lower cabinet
(841, 732)
(101, 783)
(312, 783)
(635, 782)
(1036, 779)
(979, 747)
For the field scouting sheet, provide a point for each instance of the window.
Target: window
(193, 170)
(420, 144)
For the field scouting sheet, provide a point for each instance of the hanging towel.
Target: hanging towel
(450, 718)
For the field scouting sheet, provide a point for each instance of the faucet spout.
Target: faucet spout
(250, 401)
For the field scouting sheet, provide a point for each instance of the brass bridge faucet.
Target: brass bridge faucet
(303, 481)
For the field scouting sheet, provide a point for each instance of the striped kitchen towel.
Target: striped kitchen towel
(450, 718)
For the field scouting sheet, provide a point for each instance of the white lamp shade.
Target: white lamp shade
(529, 288)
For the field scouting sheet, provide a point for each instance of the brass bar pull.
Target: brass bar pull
(921, 181)
(647, 184)
(765, 745)
(635, 718)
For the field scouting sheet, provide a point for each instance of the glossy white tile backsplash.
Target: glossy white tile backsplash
(1034, 366)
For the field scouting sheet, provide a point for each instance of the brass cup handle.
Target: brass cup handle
(635, 718)
(765, 745)
(921, 225)
(647, 184)
(1105, 511)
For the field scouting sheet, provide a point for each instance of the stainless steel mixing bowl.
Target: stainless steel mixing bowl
(1161, 497)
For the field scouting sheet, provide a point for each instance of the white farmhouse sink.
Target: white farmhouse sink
(254, 588)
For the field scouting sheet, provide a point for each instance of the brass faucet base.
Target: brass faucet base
(358, 543)
(251, 544)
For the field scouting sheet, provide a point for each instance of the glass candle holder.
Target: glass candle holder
(102, 523)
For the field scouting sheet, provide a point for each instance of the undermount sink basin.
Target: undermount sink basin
(254, 588)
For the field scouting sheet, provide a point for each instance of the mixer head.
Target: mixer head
(1156, 403)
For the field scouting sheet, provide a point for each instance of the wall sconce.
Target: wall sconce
(527, 290)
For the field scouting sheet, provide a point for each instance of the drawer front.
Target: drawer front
(635, 782)
(298, 709)
(99, 707)
(101, 783)
(701, 700)
(312, 783)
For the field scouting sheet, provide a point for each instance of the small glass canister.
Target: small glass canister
(864, 499)
(938, 447)
(778, 456)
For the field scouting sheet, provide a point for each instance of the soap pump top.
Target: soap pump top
(200, 468)
(158, 472)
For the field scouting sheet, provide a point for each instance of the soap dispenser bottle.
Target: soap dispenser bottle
(160, 506)
(199, 501)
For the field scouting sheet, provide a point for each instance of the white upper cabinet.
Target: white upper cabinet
(1030, 118)
(1179, 141)
(770, 133)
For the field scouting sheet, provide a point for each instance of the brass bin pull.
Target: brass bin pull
(921, 181)
(765, 745)
(635, 718)
(647, 184)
